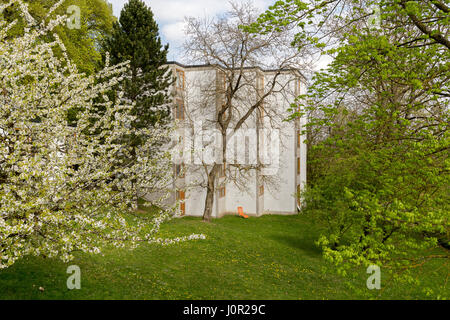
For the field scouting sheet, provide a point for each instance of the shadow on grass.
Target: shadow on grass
(306, 245)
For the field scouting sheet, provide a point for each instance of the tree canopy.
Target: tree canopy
(378, 131)
(82, 44)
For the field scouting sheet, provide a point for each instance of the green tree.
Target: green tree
(135, 38)
(379, 115)
(82, 44)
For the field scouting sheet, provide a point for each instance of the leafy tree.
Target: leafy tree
(82, 44)
(380, 116)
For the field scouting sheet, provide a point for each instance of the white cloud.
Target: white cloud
(170, 14)
(170, 10)
(175, 10)
(117, 6)
(323, 62)
(174, 35)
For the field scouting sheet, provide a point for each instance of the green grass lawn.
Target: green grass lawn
(272, 257)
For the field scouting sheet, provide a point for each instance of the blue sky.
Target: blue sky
(170, 14)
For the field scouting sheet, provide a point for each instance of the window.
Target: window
(298, 194)
(222, 192)
(260, 93)
(298, 165)
(297, 86)
(179, 111)
(222, 170)
(226, 112)
(261, 116)
(261, 190)
(180, 79)
(260, 84)
(298, 139)
(180, 142)
(222, 91)
(179, 170)
(223, 80)
(181, 196)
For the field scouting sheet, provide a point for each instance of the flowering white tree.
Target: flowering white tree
(62, 186)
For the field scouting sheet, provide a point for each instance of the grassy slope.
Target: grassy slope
(272, 257)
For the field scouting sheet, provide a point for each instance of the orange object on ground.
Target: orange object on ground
(241, 213)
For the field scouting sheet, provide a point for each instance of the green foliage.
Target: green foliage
(81, 44)
(380, 116)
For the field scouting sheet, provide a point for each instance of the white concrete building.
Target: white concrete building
(268, 189)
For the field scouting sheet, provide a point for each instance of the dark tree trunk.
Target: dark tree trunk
(209, 201)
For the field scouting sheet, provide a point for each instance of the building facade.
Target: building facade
(265, 166)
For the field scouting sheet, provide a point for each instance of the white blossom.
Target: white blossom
(62, 186)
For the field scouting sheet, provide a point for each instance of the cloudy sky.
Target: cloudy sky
(169, 14)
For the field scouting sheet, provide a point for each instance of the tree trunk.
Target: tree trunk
(209, 201)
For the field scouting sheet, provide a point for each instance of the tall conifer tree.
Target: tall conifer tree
(135, 37)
